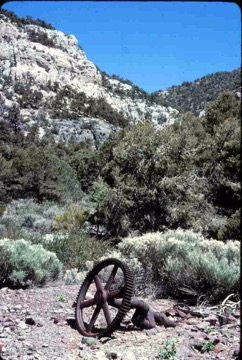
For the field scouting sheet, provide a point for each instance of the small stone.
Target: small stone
(22, 325)
(29, 345)
(30, 320)
(197, 343)
(4, 308)
(40, 322)
(19, 291)
(104, 339)
(62, 323)
(128, 355)
(236, 313)
(8, 330)
(3, 335)
(17, 307)
(224, 340)
(150, 332)
(218, 348)
(112, 355)
(55, 319)
(45, 345)
(194, 329)
(202, 325)
(4, 289)
(21, 338)
(212, 319)
(192, 321)
(59, 311)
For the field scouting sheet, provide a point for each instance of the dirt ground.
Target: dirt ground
(38, 323)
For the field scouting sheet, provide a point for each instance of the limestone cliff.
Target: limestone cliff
(50, 80)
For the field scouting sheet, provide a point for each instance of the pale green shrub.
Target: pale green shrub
(25, 218)
(72, 276)
(179, 262)
(22, 263)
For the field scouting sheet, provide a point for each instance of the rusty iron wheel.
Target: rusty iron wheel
(108, 280)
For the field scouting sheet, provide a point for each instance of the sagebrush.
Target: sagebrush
(183, 263)
(23, 263)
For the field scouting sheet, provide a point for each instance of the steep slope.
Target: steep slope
(50, 81)
(194, 96)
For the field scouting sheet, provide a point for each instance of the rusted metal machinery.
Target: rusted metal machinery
(105, 297)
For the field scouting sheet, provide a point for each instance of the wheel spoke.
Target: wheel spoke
(94, 317)
(118, 293)
(107, 313)
(111, 278)
(87, 303)
(98, 282)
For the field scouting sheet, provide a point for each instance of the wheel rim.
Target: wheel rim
(95, 314)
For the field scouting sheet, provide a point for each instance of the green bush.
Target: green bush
(25, 264)
(73, 249)
(41, 38)
(2, 209)
(168, 350)
(184, 263)
(72, 219)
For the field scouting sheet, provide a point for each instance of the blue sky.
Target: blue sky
(153, 44)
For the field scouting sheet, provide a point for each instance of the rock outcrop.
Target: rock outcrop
(37, 64)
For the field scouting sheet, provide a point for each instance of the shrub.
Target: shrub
(41, 38)
(26, 20)
(72, 276)
(183, 262)
(26, 218)
(24, 264)
(74, 249)
(72, 219)
(2, 209)
(10, 228)
(208, 346)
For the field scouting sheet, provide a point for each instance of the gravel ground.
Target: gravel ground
(38, 323)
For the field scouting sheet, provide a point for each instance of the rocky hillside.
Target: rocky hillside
(194, 96)
(46, 79)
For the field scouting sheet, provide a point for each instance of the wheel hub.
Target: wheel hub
(100, 296)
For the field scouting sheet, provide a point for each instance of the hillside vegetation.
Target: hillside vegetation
(194, 96)
(71, 197)
(165, 199)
